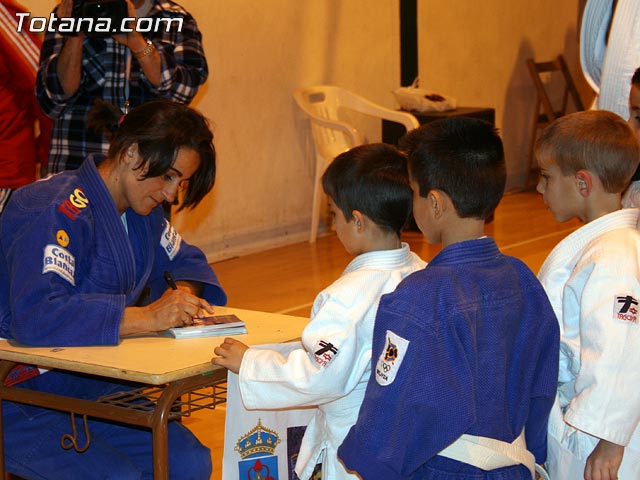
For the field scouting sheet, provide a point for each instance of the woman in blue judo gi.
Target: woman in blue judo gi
(84, 253)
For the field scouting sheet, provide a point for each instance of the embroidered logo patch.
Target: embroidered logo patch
(170, 241)
(324, 353)
(74, 205)
(391, 358)
(59, 260)
(63, 238)
(625, 308)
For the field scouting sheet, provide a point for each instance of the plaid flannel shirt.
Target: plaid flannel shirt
(184, 70)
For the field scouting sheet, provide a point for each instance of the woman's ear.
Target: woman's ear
(130, 153)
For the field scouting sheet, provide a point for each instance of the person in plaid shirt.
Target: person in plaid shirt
(125, 69)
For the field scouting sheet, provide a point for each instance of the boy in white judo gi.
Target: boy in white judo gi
(634, 102)
(370, 200)
(631, 197)
(592, 278)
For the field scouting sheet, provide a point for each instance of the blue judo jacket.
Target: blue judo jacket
(69, 266)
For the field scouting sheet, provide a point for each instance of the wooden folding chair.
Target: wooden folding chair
(550, 78)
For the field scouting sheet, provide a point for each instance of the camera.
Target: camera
(100, 18)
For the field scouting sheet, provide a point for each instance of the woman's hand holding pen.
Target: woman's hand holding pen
(175, 308)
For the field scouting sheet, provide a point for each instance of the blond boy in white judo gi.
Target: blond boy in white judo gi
(592, 278)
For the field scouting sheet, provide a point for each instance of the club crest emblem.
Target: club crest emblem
(257, 450)
(391, 358)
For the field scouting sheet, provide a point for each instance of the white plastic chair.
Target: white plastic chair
(332, 136)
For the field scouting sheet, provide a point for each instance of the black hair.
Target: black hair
(160, 128)
(462, 157)
(372, 179)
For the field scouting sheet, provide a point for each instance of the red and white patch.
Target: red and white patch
(324, 352)
(625, 308)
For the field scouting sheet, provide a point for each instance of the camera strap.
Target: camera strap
(127, 75)
(143, 11)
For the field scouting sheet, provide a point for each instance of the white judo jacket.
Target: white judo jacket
(592, 278)
(608, 67)
(333, 368)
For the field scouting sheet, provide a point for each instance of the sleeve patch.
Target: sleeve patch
(59, 260)
(170, 241)
(625, 308)
(391, 358)
(324, 352)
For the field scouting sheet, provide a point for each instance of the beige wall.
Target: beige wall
(260, 51)
(476, 52)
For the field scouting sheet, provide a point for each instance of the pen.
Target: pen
(169, 279)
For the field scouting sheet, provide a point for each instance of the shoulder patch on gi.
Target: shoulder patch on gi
(391, 358)
(324, 352)
(60, 261)
(170, 241)
(74, 204)
(625, 308)
(63, 238)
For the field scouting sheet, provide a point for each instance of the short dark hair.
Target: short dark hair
(161, 128)
(372, 179)
(462, 157)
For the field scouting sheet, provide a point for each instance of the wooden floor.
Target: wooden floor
(287, 279)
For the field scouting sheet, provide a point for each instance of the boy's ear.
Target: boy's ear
(358, 218)
(438, 202)
(584, 182)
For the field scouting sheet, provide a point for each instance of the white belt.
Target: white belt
(489, 453)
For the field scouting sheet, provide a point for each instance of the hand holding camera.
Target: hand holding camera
(132, 39)
(97, 18)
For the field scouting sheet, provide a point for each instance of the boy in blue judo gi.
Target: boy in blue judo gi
(465, 351)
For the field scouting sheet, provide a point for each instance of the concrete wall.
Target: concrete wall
(260, 51)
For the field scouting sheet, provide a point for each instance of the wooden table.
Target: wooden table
(168, 369)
